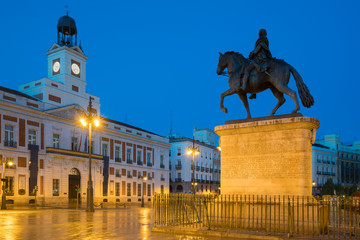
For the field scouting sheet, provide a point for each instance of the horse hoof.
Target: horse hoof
(224, 110)
(248, 117)
(295, 111)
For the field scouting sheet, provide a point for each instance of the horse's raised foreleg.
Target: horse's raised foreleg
(223, 95)
(243, 97)
(280, 98)
(288, 91)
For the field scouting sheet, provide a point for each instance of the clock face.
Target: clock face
(75, 68)
(56, 67)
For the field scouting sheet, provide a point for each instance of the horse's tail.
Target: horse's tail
(306, 99)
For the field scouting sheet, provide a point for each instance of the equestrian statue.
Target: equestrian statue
(259, 72)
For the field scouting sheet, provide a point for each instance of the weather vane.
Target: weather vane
(67, 9)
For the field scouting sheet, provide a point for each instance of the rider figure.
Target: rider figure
(259, 57)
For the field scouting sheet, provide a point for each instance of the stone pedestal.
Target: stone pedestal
(267, 156)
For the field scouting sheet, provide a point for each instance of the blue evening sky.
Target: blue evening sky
(148, 58)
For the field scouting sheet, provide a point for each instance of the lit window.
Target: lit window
(56, 141)
(32, 137)
(74, 143)
(56, 184)
(104, 150)
(117, 154)
(9, 136)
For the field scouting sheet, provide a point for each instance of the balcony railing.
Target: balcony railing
(192, 167)
(129, 176)
(118, 175)
(215, 170)
(117, 159)
(207, 181)
(197, 168)
(129, 161)
(178, 166)
(177, 179)
(170, 167)
(211, 170)
(162, 179)
(206, 169)
(202, 169)
(149, 164)
(162, 165)
(11, 144)
(202, 181)
(149, 178)
(139, 163)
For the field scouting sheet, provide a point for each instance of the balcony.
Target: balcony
(206, 169)
(129, 161)
(140, 163)
(162, 165)
(118, 175)
(215, 170)
(202, 181)
(197, 168)
(192, 167)
(202, 169)
(178, 167)
(129, 176)
(178, 179)
(162, 179)
(11, 144)
(211, 170)
(149, 164)
(170, 167)
(117, 159)
(318, 172)
(207, 181)
(149, 178)
(216, 182)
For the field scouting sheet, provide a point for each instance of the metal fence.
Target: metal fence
(329, 218)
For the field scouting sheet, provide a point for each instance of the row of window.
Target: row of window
(130, 191)
(10, 140)
(203, 154)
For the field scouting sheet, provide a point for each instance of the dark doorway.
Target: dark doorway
(74, 183)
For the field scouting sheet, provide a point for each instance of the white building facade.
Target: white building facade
(335, 160)
(207, 166)
(40, 132)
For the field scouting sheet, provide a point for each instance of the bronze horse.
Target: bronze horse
(258, 81)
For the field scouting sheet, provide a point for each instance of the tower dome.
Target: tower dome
(67, 31)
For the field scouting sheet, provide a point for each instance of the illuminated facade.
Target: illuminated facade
(41, 133)
(207, 164)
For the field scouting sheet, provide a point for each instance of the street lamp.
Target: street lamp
(142, 198)
(88, 120)
(194, 151)
(5, 162)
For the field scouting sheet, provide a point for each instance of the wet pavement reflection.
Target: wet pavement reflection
(128, 223)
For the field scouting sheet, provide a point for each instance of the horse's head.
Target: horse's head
(221, 65)
(230, 60)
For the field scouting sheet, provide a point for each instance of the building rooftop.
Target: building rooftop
(12, 91)
(185, 139)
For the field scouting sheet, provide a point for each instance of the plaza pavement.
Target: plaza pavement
(49, 223)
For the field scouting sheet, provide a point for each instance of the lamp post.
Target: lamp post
(142, 198)
(194, 151)
(313, 187)
(4, 163)
(89, 119)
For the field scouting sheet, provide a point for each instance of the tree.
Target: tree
(328, 188)
(339, 189)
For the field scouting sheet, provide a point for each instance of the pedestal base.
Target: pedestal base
(267, 156)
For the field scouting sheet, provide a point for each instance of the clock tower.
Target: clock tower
(66, 79)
